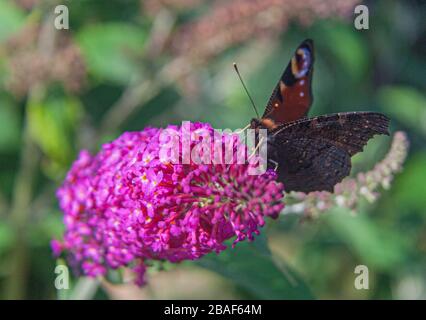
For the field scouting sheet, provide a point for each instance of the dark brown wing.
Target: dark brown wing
(315, 154)
(292, 96)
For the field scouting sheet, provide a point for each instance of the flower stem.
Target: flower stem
(85, 289)
(20, 209)
(15, 286)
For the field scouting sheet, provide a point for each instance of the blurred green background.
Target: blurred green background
(127, 64)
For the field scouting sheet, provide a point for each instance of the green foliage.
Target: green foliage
(376, 245)
(11, 19)
(6, 237)
(409, 189)
(112, 50)
(52, 124)
(405, 104)
(348, 48)
(9, 130)
(252, 266)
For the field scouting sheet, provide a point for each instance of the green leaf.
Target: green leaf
(11, 19)
(406, 105)
(377, 245)
(111, 50)
(50, 227)
(409, 187)
(52, 123)
(10, 127)
(6, 237)
(251, 266)
(349, 49)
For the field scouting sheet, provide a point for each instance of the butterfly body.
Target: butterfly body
(311, 154)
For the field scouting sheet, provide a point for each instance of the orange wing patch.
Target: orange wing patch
(296, 102)
(292, 96)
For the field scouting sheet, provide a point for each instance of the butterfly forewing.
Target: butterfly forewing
(292, 96)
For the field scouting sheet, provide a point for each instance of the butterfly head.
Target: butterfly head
(255, 123)
(264, 123)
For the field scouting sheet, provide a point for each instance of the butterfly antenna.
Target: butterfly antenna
(245, 88)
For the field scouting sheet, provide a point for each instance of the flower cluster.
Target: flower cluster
(27, 4)
(230, 23)
(30, 63)
(153, 7)
(125, 205)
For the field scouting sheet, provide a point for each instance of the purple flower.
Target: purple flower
(124, 206)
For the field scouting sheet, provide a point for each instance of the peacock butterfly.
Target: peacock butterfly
(311, 154)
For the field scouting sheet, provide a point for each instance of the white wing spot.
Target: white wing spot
(302, 82)
(301, 94)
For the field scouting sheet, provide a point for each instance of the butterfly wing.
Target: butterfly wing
(315, 154)
(292, 96)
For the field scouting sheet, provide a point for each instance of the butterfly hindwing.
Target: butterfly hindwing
(314, 154)
(311, 165)
(292, 96)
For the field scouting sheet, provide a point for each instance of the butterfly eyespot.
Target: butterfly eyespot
(301, 63)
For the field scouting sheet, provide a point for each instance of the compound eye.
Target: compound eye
(254, 123)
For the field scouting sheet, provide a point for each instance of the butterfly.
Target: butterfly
(311, 154)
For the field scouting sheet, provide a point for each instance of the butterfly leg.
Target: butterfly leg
(257, 147)
(275, 164)
(242, 130)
